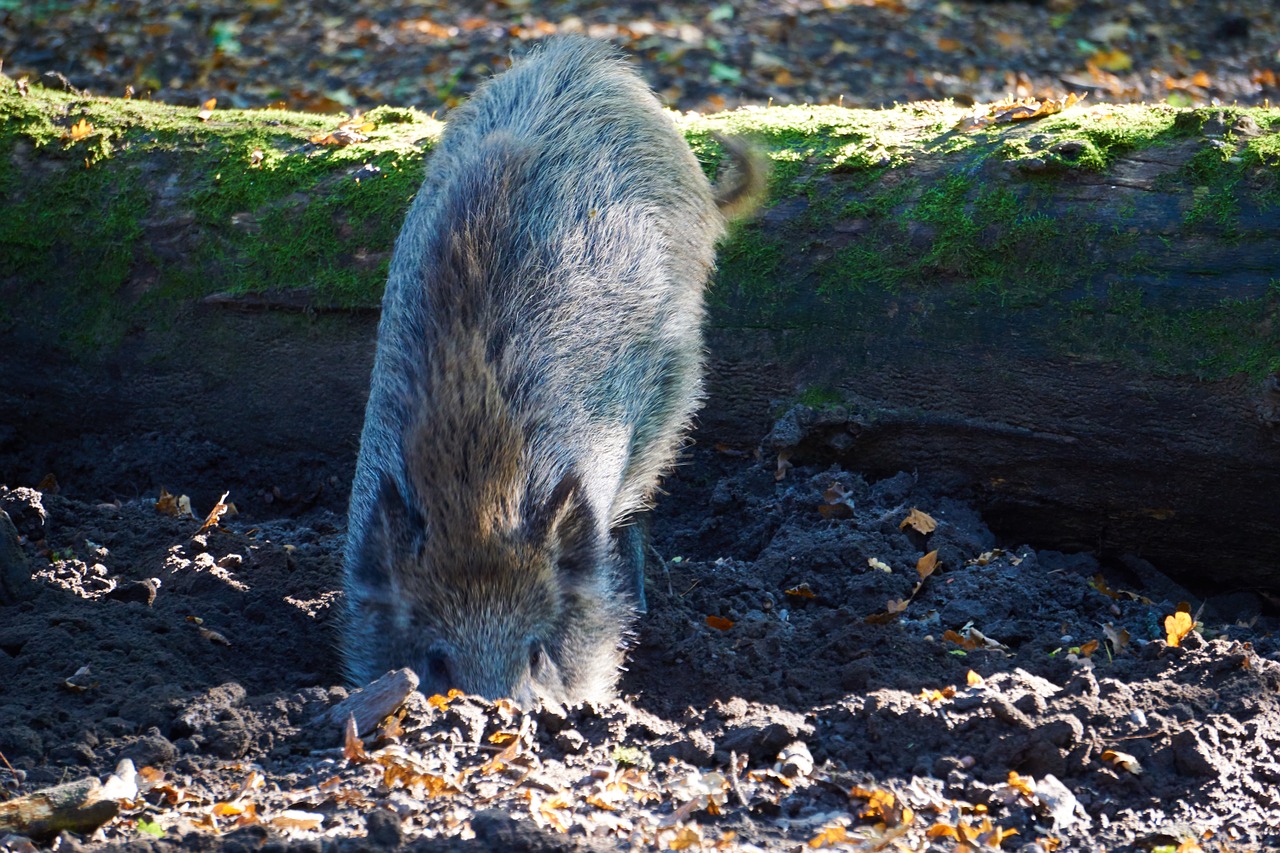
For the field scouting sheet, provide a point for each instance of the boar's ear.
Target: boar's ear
(392, 531)
(566, 524)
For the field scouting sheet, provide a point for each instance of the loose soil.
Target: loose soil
(771, 700)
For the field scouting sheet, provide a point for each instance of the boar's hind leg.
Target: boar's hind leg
(632, 541)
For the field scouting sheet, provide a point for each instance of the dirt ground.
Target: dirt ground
(1021, 699)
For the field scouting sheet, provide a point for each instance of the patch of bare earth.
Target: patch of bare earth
(819, 666)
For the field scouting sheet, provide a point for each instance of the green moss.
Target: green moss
(820, 397)
(994, 241)
(72, 244)
(750, 268)
(1232, 337)
(860, 249)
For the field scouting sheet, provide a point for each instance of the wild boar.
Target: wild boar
(538, 361)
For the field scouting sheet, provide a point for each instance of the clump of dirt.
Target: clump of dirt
(819, 663)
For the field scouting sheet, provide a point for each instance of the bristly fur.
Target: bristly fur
(539, 359)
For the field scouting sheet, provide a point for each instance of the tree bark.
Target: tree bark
(1071, 320)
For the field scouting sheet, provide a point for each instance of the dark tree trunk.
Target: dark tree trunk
(1073, 321)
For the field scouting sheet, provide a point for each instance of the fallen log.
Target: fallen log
(1073, 320)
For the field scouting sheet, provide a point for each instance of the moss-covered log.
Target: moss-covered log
(1075, 318)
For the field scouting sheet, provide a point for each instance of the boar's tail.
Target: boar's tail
(741, 186)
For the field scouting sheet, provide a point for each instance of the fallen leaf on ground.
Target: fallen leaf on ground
(921, 522)
(214, 637)
(1019, 109)
(78, 131)
(352, 747)
(1124, 760)
(926, 564)
(215, 514)
(178, 506)
(1177, 627)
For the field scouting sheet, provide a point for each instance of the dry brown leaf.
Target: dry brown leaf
(206, 109)
(936, 696)
(926, 564)
(784, 465)
(995, 836)
(685, 838)
(80, 681)
(1123, 760)
(829, 835)
(801, 591)
(974, 680)
(896, 605)
(392, 728)
(229, 809)
(1089, 648)
(921, 522)
(441, 703)
(215, 514)
(1177, 627)
(352, 747)
(79, 131)
(882, 805)
(1016, 109)
(214, 637)
(1099, 583)
(178, 506)
(720, 623)
(839, 502)
(347, 133)
(959, 639)
(401, 771)
(1022, 784)
(48, 484)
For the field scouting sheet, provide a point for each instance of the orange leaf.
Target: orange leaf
(926, 564)
(206, 109)
(975, 680)
(79, 130)
(215, 514)
(802, 591)
(441, 703)
(922, 522)
(720, 623)
(1177, 627)
(1099, 583)
(1123, 760)
(829, 836)
(686, 837)
(1021, 784)
(1113, 60)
